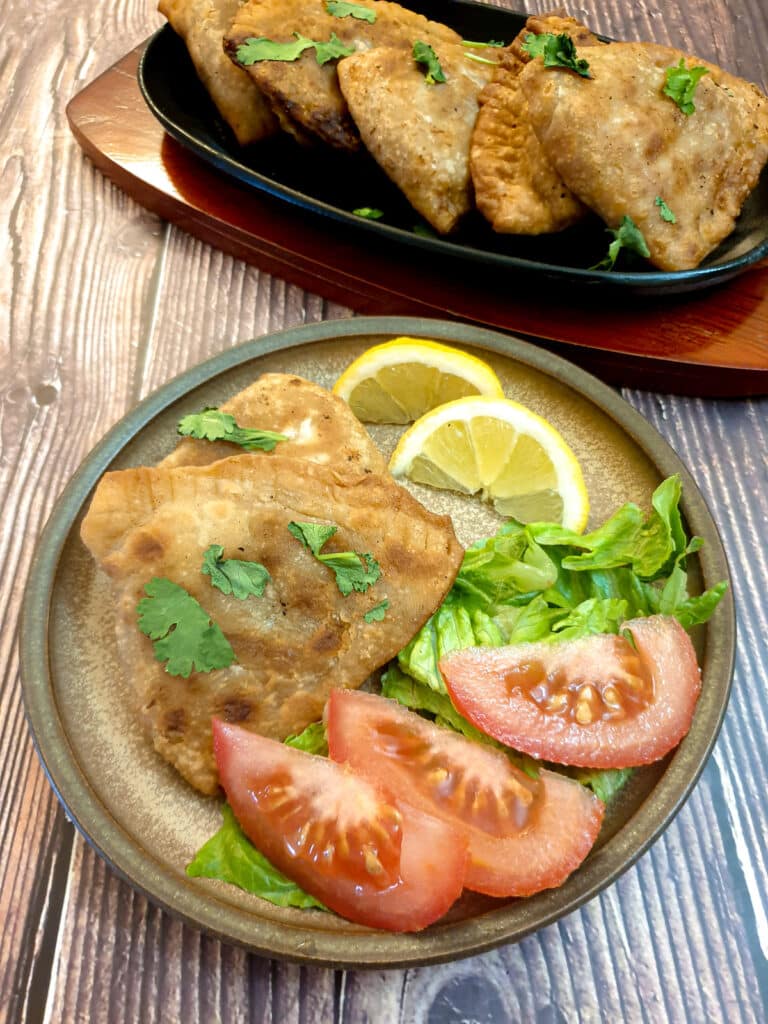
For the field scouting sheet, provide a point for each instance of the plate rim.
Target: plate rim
(162, 885)
(652, 281)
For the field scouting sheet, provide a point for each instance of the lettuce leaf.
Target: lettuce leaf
(541, 582)
(406, 691)
(229, 856)
(312, 740)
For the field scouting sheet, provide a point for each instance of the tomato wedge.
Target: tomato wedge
(335, 835)
(524, 835)
(595, 702)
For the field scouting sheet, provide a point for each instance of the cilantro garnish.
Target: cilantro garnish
(556, 51)
(480, 46)
(664, 211)
(183, 634)
(353, 570)
(343, 9)
(369, 212)
(424, 54)
(213, 425)
(681, 84)
(312, 535)
(423, 231)
(377, 613)
(234, 576)
(253, 50)
(627, 236)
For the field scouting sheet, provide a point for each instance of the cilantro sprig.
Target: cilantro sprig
(424, 54)
(344, 9)
(182, 632)
(353, 570)
(556, 52)
(253, 50)
(627, 236)
(377, 613)
(214, 425)
(664, 211)
(681, 83)
(234, 576)
(368, 212)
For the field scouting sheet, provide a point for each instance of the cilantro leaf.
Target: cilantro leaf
(424, 54)
(344, 9)
(681, 84)
(377, 613)
(214, 425)
(332, 50)
(253, 50)
(181, 629)
(627, 236)
(664, 211)
(480, 46)
(353, 570)
(234, 576)
(369, 212)
(556, 52)
(208, 425)
(312, 535)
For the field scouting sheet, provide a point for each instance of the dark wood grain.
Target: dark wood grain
(710, 343)
(100, 302)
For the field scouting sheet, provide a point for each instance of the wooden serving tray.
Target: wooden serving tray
(708, 343)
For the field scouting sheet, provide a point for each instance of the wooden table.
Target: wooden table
(101, 303)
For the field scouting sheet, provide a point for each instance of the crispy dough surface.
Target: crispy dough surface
(319, 426)
(618, 142)
(302, 637)
(516, 187)
(305, 92)
(418, 133)
(201, 24)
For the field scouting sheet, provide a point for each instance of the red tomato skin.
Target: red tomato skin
(475, 679)
(563, 826)
(543, 856)
(432, 857)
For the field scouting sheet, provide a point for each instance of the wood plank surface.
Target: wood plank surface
(100, 303)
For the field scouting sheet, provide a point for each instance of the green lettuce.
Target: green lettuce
(229, 856)
(542, 582)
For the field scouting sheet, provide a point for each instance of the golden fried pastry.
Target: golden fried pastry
(304, 92)
(302, 636)
(516, 187)
(318, 426)
(419, 133)
(201, 24)
(624, 147)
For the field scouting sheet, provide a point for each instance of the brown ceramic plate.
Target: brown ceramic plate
(147, 823)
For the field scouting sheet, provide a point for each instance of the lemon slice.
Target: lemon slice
(400, 380)
(515, 459)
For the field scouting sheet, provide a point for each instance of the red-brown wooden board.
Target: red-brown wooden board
(709, 343)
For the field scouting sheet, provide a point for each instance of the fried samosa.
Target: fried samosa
(305, 92)
(201, 24)
(625, 147)
(302, 636)
(516, 187)
(318, 426)
(417, 131)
